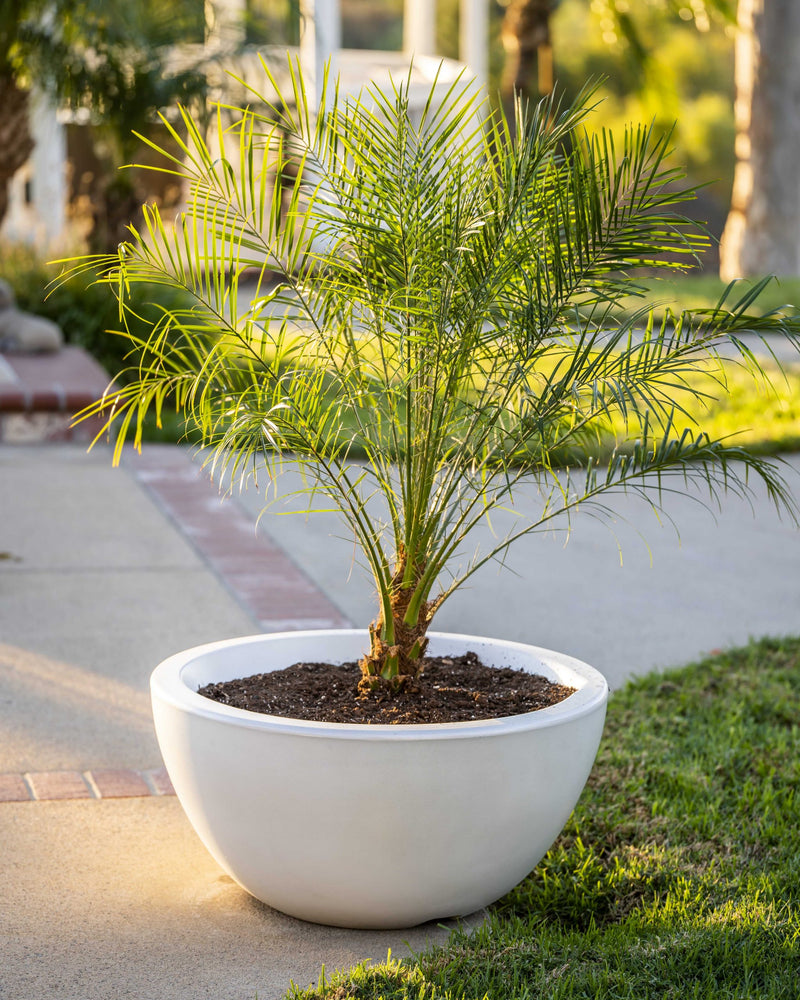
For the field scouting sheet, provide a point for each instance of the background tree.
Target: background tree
(762, 233)
(662, 66)
(528, 49)
(16, 142)
(527, 35)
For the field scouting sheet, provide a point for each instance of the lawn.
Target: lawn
(762, 416)
(678, 875)
(767, 421)
(703, 291)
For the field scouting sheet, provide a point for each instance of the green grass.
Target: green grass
(762, 417)
(764, 420)
(678, 875)
(703, 291)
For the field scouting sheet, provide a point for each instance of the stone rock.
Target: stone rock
(7, 299)
(21, 331)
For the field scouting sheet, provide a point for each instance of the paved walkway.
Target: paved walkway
(104, 572)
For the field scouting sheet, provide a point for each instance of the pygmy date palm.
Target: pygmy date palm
(443, 329)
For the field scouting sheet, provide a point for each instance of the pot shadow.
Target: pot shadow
(402, 940)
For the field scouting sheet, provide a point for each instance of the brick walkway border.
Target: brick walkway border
(106, 783)
(260, 576)
(40, 392)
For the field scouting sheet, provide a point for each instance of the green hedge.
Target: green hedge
(88, 314)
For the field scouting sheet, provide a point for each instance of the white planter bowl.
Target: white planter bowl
(373, 826)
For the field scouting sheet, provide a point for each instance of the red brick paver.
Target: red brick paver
(13, 788)
(259, 574)
(119, 784)
(59, 785)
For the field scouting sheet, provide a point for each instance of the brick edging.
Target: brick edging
(261, 577)
(99, 783)
(63, 381)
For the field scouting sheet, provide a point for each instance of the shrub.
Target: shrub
(86, 313)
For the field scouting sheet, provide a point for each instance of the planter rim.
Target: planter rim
(169, 683)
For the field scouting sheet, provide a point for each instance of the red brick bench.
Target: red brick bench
(40, 393)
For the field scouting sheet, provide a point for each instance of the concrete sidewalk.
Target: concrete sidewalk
(104, 572)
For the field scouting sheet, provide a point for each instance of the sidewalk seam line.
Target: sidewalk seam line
(148, 780)
(88, 777)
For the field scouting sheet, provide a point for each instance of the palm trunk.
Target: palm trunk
(16, 142)
(398, 637)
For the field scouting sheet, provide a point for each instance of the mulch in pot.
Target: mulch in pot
(450, 689)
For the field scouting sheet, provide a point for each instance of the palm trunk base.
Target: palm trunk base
(393, 665)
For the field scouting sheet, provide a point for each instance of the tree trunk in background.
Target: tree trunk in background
(762, 234)
(529, 54)
(16, 144)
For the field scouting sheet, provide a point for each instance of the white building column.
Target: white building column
(320, 41)
(48, 170)
(474, 40)
(419, 27)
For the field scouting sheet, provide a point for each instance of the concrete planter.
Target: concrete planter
(373, 826)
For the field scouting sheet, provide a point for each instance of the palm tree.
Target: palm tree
(444, 333)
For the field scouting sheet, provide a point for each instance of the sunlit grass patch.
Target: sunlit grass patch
(760, 415)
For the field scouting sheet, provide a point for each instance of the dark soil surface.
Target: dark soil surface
(451, 689)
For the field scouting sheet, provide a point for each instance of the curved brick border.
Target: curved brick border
(260, 575)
